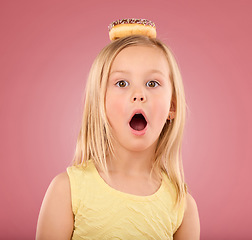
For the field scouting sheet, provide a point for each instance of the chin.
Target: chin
(141, 147)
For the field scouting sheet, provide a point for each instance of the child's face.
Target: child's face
(138, 83)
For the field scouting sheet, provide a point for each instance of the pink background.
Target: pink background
(46, 50)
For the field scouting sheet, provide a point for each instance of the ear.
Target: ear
(172, 112)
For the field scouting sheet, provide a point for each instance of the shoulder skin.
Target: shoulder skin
(56, 218)
(190, 226)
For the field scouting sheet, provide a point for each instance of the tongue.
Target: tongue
(138, 122)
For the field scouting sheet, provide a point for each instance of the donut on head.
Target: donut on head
(131, 26)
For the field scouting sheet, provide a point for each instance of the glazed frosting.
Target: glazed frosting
(132, 21)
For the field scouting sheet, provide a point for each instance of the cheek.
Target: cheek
(114, 109)
(160, 108)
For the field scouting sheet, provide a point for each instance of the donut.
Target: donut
(131, 26)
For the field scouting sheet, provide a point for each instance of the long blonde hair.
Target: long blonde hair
(95, 138)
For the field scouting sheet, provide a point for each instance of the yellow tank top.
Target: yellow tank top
(101, 212)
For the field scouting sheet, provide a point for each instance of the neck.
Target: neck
(131, 162)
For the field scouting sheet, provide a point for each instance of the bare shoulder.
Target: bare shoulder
(190, 226)
(61, 182)
(56, 217)
(59, 189)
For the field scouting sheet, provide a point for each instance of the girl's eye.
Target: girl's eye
(122, 83)
(152, 84)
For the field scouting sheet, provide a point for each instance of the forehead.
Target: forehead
(141, 58)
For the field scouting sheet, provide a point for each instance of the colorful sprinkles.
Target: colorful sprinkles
(131, 21)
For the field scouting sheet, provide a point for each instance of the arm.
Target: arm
(56, 217)
(190, 226)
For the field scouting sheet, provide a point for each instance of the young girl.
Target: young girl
(127, 180)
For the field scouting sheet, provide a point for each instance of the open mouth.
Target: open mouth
(138, 122)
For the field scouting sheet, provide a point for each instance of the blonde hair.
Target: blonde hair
(95, 138)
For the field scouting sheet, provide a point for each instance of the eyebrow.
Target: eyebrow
(118, 71)
(126, 72)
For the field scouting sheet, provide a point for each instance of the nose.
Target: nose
(138, 96)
